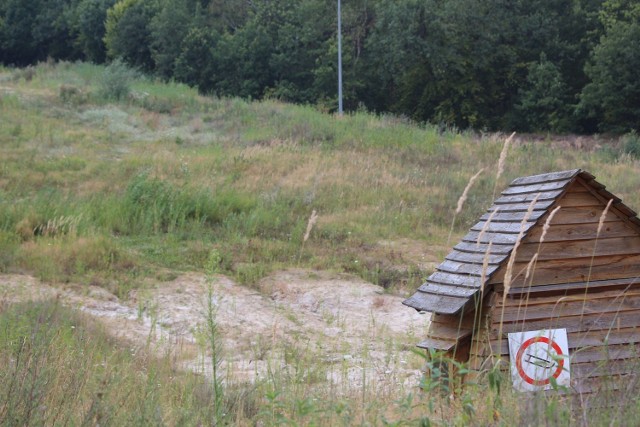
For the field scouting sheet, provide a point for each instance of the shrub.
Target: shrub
(27, 74)
(631, 144)
(72, 95)
(116, 80)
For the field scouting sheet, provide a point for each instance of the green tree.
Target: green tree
(168, 28)
(16, 44)
(467, 63)
(301, 34)
(242, 62)
(544, 103)
(393, 59)
(195, 65)
(90, 28)
(229, 15)
(613, 95)
(128, 32)
(34, 30)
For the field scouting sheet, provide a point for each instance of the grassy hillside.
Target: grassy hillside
(112, 179)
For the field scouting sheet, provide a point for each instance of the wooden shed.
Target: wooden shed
(555, 250)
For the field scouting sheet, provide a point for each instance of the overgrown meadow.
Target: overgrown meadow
(112, 179)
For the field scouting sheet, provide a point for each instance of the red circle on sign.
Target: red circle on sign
(521, 371)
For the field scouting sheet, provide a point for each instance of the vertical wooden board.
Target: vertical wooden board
(480, 339)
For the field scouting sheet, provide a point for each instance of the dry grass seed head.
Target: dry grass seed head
(312, 220)
(503, 155)
(486, 225)
(527, 273)
(602, 217)
(465, 193)
(512, 258)
(502, 160)
(485, 266)
(547, 223)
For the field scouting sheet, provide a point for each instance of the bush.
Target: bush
(27, 73)
(115, 83)
(631, 144)
(72, 95)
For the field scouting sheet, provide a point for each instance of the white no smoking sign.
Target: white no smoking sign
(538, 357)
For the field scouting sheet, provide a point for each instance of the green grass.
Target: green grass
(165, 166)
(60, 367)
(114, 190)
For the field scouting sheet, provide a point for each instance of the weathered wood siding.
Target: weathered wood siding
(450, 334)
(603, 332)
(579, 279)
(572, 250)
(581, 273)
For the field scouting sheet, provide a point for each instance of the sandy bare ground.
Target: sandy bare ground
(358, 332)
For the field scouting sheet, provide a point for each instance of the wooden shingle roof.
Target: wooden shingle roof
(459, 278)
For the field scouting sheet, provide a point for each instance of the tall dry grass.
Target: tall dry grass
(501, 162)
(240, 178)
(462, 200)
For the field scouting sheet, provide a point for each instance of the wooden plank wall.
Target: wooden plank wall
(450, 333)
(603, 332)
(570, 252)
(590, 287)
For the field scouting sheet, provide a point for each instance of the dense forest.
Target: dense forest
(530, 65)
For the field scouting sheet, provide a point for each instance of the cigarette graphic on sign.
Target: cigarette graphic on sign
(539, 361)
(538, 358)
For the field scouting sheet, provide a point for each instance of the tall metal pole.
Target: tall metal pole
(339, 59)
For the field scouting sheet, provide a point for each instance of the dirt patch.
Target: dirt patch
(353, 327)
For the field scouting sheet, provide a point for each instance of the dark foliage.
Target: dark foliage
(532, 65)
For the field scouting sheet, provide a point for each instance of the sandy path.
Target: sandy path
(357, 330)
